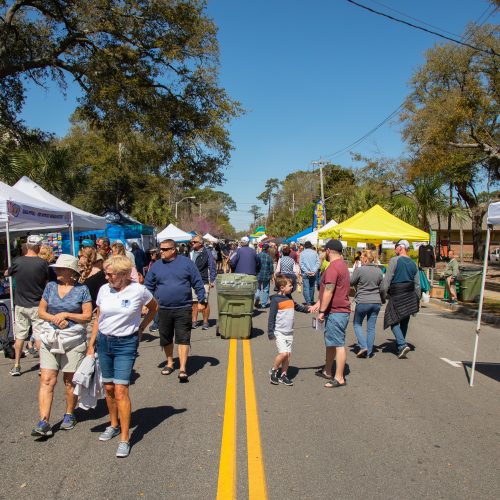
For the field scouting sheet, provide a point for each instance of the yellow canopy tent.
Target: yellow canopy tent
(329, 233)
(376, 225)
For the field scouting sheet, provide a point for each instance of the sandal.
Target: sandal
(322, 374)
(363, 353)
(334, 383)
(167, 370)
(183, 377)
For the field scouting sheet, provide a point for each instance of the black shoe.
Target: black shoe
(285, 380)
(275, 380)
(403, 352)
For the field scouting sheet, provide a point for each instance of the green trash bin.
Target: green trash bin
(235, 299)
(470, 285)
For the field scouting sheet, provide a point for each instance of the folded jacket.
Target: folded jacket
(60, 341)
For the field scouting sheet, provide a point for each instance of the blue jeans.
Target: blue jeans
(399, 331)
(370, 311)
(308, 283)
(117, 357)
(154, 324)
(262, 293)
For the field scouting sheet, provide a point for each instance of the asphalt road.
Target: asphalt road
(400, 429)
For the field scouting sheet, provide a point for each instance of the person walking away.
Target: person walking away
(280, 328)
(65, 308)
(116, 334)
(288, 267)
(264, 277)
(170, 280)
(245, 259)
(203, 260)
(31, 274)
(139, 257)
(334, 309)
(402, 285)
(154, 255)
(450, 276)
(309, 265)
(367, 281)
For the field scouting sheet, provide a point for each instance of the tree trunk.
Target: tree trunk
(477, 232)
(449, 216)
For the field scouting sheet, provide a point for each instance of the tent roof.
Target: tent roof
(28, 213)
(377, 224)
(296, 236)
(172, 232)
(329, 232)
(209, 237)
(494, 214)
(313, 236)
(81, 220)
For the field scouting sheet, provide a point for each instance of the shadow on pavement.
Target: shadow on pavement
(194, 364)
(101, 410)
(491, 370)
(148, 337)
(293, 371)
(256, 332)
(146, 419)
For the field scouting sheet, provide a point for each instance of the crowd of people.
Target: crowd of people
(102, 301)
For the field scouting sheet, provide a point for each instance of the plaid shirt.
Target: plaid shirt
(266, 267)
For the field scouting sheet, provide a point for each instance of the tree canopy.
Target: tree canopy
(143, 66)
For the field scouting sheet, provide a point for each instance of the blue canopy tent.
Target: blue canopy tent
(295, 237)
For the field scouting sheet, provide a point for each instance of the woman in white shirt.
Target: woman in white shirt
(118, 328)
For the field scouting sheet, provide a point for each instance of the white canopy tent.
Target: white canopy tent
(210, 238)
(82, 221)
(492, 220)
(172, 232)
(313, 236)
(20, 212)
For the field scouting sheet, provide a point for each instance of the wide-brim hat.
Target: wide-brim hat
(66, 261)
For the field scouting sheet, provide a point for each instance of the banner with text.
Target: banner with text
(319, 216)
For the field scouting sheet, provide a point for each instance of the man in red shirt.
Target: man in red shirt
(334, 308)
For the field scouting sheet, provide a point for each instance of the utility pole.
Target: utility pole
(293, 204)
(321, 164)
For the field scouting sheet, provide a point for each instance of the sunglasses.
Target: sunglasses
(166, 249)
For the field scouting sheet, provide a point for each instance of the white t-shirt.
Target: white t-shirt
(120, 312)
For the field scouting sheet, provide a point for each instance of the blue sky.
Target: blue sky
(313, 77)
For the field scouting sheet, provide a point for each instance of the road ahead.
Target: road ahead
(400, 428)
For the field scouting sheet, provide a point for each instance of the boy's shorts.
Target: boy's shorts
(284, 342)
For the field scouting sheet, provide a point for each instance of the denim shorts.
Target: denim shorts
(335, 327)
(117, 357)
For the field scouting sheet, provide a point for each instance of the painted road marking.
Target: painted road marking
(456, 364)
(257, 487)
(226, 488)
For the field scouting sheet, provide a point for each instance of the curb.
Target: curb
(492, 319)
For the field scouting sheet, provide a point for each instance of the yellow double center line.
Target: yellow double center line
(257, 488)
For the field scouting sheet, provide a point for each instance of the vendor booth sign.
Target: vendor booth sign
(27, 213)
(319, 215)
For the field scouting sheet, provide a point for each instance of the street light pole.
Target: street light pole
(321, 164)
(177, 203)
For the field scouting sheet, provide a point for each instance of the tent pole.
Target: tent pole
(481, 300)
(72, 235)
(9, 264)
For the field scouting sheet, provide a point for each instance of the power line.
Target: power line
(365, 136)
(392, 18)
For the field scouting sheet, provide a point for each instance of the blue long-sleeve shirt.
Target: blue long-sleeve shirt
(171, 282)
(309, 261)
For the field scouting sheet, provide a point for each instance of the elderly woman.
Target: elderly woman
(117, 331)
(65, 308)
(367, 280)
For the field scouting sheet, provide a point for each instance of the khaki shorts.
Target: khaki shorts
(24, 318)
(207, 292)
(67, 362)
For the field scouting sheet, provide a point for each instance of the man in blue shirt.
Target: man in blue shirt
(309, 266)
(402, 284)
(170, 280)
(245, 259)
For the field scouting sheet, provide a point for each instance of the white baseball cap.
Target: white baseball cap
(245, 239)
(403, 243)
(34, 239)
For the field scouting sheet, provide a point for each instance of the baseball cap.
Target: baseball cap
(265, 246)
(335, 245)
(402, 243)
(245, 239)
(34, 239)
(87, 243)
